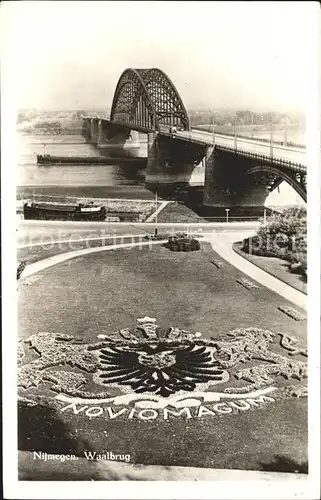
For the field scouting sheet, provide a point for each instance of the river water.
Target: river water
(127, 181)
(31, 174)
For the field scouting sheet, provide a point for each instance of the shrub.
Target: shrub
(22, 265)
(284, 236)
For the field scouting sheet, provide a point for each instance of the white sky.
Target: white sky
(69, 55)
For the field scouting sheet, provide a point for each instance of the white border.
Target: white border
(313, 135)
(149, 490)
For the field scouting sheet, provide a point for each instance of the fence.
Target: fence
(290, 165)
(243, 136)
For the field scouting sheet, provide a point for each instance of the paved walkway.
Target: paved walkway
(222, 244)
(159, 209)
(82, 240)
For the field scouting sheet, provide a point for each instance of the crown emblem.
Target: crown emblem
(147, 330)
(148, 327)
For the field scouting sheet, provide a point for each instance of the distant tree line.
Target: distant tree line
(243, 117)
(47, 116)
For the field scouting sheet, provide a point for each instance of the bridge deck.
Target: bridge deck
(289, 157)
(297, 156)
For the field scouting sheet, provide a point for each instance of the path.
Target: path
(222, 244)
(40, 265)
(161, 207)
(221, 240)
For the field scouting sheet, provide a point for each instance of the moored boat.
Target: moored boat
(50, 211)
(84, 160)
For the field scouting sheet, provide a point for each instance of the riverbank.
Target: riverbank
(61, 193)
(118, 210)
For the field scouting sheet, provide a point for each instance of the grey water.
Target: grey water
(29, 173)
(127, 180)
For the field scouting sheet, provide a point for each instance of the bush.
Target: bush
(182, 243)
(22, 265)
(284, 236)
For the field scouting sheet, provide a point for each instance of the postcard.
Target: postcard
(161, 213)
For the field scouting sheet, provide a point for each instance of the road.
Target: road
(296, 155)
(34, 233)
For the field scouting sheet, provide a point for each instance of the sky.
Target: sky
(70, 55)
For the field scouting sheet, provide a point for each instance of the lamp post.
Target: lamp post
(156, 218)
(285, 134)
(227, 211)
(235, 136)
(213, 131)
(252, 125)
(271, 135)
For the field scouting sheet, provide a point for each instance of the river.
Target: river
(31, 174)
(93, 180)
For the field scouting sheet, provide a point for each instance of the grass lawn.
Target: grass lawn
(112, 289)
(178, 212)
(101, 293)
(275, 266)
(36, 253)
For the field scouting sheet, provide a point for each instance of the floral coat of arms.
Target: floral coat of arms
(163, 364)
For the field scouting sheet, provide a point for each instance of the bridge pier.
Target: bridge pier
(116, 138)
(94, 130)
(86, 129)
(110, 137)
(173, 161)
(227, 184)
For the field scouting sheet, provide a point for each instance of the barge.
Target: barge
(85, 160)
(50, 211)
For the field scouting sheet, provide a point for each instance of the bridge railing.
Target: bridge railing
(258, 139)
(291, 165)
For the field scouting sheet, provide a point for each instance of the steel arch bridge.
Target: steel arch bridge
(274, 170)
(276, 175)
(147, 100)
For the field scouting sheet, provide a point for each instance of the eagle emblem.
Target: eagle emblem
(163, 362)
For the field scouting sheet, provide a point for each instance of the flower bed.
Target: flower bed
(246, 283)
(292, 313)
(182, 243)
(217, 263)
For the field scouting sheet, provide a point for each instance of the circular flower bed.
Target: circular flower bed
(182, 243)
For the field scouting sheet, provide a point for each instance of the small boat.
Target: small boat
(50, 211)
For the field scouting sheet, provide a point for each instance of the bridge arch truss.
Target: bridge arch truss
(147, 100)
(297, 180)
